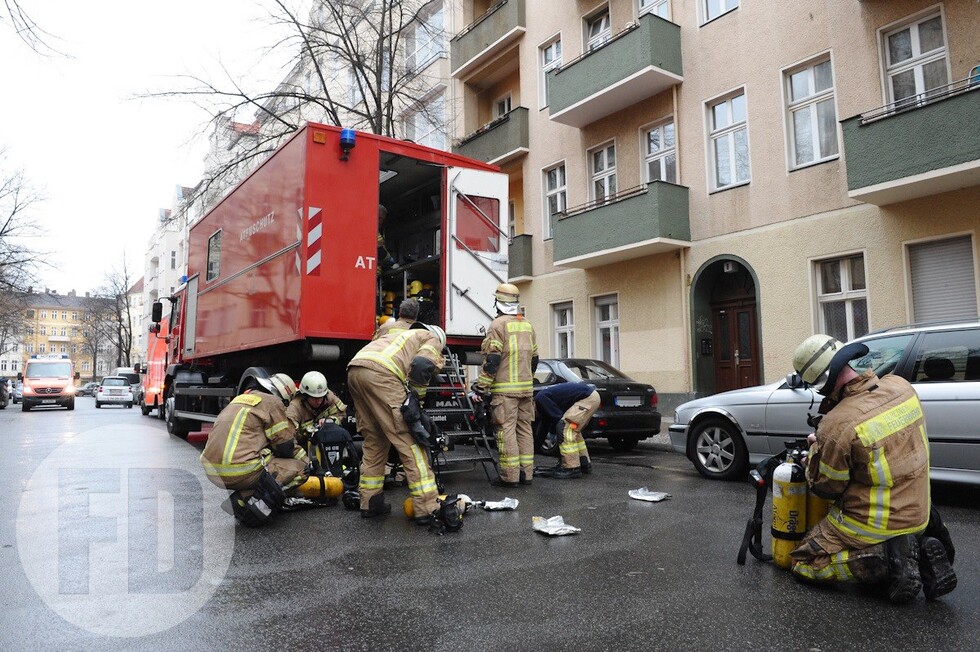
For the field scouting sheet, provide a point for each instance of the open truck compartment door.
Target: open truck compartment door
(476, 248)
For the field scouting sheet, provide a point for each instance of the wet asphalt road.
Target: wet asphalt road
(87, 564)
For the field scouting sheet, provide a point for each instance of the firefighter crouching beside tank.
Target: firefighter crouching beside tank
(510, 356)
(379, 377)
(252, 450)
(313, 404)
(870, 455)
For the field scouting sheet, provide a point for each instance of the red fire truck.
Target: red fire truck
(287, 273)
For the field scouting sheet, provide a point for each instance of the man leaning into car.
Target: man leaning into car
(870, 456)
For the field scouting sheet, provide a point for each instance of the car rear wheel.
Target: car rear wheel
(623, 444)
(718, 451)
(98, 405)
(543, 444)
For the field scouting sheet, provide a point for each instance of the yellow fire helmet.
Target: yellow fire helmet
(414, 288)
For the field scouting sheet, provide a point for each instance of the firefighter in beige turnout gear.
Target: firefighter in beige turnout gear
(408, 312)
(379, 376)
(251, 439)
(510, 356)
(870, 455)
(313, 404)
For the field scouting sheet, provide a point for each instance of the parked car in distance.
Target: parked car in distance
(88, 389)
(114, 390)
(6, 393)
(133, 376)
(18, 393)
(628, 411)
(724, 433)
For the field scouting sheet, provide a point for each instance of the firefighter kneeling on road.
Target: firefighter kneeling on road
(312, 405)
(870, 456)
(566, 409)
(252, 450)
(379, 376)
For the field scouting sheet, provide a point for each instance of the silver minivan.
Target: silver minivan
(724, 433)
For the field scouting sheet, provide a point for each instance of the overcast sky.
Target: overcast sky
(107, 163)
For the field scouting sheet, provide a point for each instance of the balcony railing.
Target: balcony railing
(638, 222)
(917, 147)
(487, 37)
(638, 63)
(519, 258)
(498, 142)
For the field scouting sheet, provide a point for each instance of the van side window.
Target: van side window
(950, 356)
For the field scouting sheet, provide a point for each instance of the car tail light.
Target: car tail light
(603, 423)
(654, 400)
(99, 388)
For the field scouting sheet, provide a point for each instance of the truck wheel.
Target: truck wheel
(71, 404)
(145, 409)
(175, 426)
(159, 409)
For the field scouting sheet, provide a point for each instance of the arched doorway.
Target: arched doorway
(725, 320)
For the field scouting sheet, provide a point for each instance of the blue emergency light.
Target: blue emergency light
(346, 142)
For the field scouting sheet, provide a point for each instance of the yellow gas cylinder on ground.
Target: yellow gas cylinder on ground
(789, 510)
(409, 508)
(319, 487)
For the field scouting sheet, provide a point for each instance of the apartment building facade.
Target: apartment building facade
(698, 185)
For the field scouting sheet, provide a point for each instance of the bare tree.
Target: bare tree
(27, 29)
(13, 309)
(355, 63)
(117, 322)
(18, 260)
(98, 329)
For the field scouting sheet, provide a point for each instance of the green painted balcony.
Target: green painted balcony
(927, 147)
(644, 221)
(498, 142)
(636, 64)
(519, 258)
(486, 38)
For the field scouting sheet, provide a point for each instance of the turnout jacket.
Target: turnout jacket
(395, 353)
(245, 432)
(872, 457)
(513, 338)
(392, 326)
(301, 414)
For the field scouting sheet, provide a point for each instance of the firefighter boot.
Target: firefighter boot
(586, 464)
(938, 576)
(903, 566)
(546, 471)
(937, 530)
(376, 507)
(564, 473)
(524, 479)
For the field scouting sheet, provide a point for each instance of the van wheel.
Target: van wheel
(145, 409)
(71, 404)
(24, 407)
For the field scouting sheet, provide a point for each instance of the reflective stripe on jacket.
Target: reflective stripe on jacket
(395, 352)
(513, 338)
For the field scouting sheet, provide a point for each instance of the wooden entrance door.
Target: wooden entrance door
(736, 350)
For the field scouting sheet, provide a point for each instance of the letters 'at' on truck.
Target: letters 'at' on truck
(287, 272)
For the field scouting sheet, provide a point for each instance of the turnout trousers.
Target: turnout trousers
(572, 446)
(378, 397)
(512, 417)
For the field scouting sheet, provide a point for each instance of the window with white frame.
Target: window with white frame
(64, 331)
(85, 366)
(711, 9)
(554, 197)
(660, 153)
(915, 59)
(74, 316)
(40, 348)
(64, 348)
(44, 330)
(597, 30)
(44, 314)
(563, 324)
(550, 56)
(812, 116)
(64, 316)
(502, 106)
(729, 136)
(602, 168)
(426, 37)
(607, 329)
(658, 7)
(425, 124)
(842, 297)
(28, 348)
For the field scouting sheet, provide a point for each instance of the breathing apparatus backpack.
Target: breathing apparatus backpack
(794, 508)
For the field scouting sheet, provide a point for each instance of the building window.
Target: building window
(661, 157)
(607, 329)
(812, 116)
(711, 9)
(658, 7)
(74, 331)
(64, 348)
(550, 59)
(842, 297)
(564, 329)
(40, 348)
(44, 314)
(425, 124)
(512, 219)
(173, 260)
(602, 168)
(14, 348)
(425, 37)
(30, 314)
(28, 348)
(597, 30)
(64, 316)
(501, 107)
(915, 59)
(943, 279)
(74, 316)
(44, 330)
(85, 366)
(3, 364)
(554, 198)
(214, 256)
(64, 331)
(30, 330)
(729, 138)
(74, 349)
